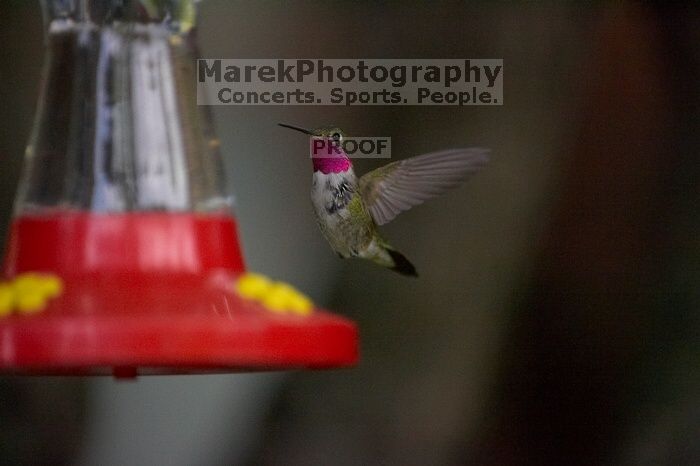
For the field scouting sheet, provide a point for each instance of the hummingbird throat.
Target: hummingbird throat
(329, 157)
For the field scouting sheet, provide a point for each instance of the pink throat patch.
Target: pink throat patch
(331, 164)
(328, 157)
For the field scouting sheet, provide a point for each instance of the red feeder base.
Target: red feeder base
(153, 294)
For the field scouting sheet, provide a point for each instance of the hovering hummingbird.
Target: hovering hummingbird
(349, 209)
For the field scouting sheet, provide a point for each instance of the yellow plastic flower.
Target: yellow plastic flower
(30, 303)
(300, 304)
(278, 297)
(276, 302)
(52, 286)
(253, 285)
(29, 293)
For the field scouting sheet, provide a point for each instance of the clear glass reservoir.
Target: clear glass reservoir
(118, 128)
(122, 172)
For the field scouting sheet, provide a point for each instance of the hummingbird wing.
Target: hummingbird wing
(398, 186)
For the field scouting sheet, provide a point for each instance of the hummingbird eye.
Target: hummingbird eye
(336, 136)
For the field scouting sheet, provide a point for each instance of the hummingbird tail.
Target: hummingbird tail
(401, 264)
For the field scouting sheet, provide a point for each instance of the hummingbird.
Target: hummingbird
(348, 210)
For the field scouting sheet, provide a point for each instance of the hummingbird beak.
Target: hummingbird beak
(305, 131)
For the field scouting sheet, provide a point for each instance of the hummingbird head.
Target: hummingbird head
(327, 152)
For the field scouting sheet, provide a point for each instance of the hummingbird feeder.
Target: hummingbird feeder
(123, 256)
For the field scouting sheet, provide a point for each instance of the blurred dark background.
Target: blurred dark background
(557, 317)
